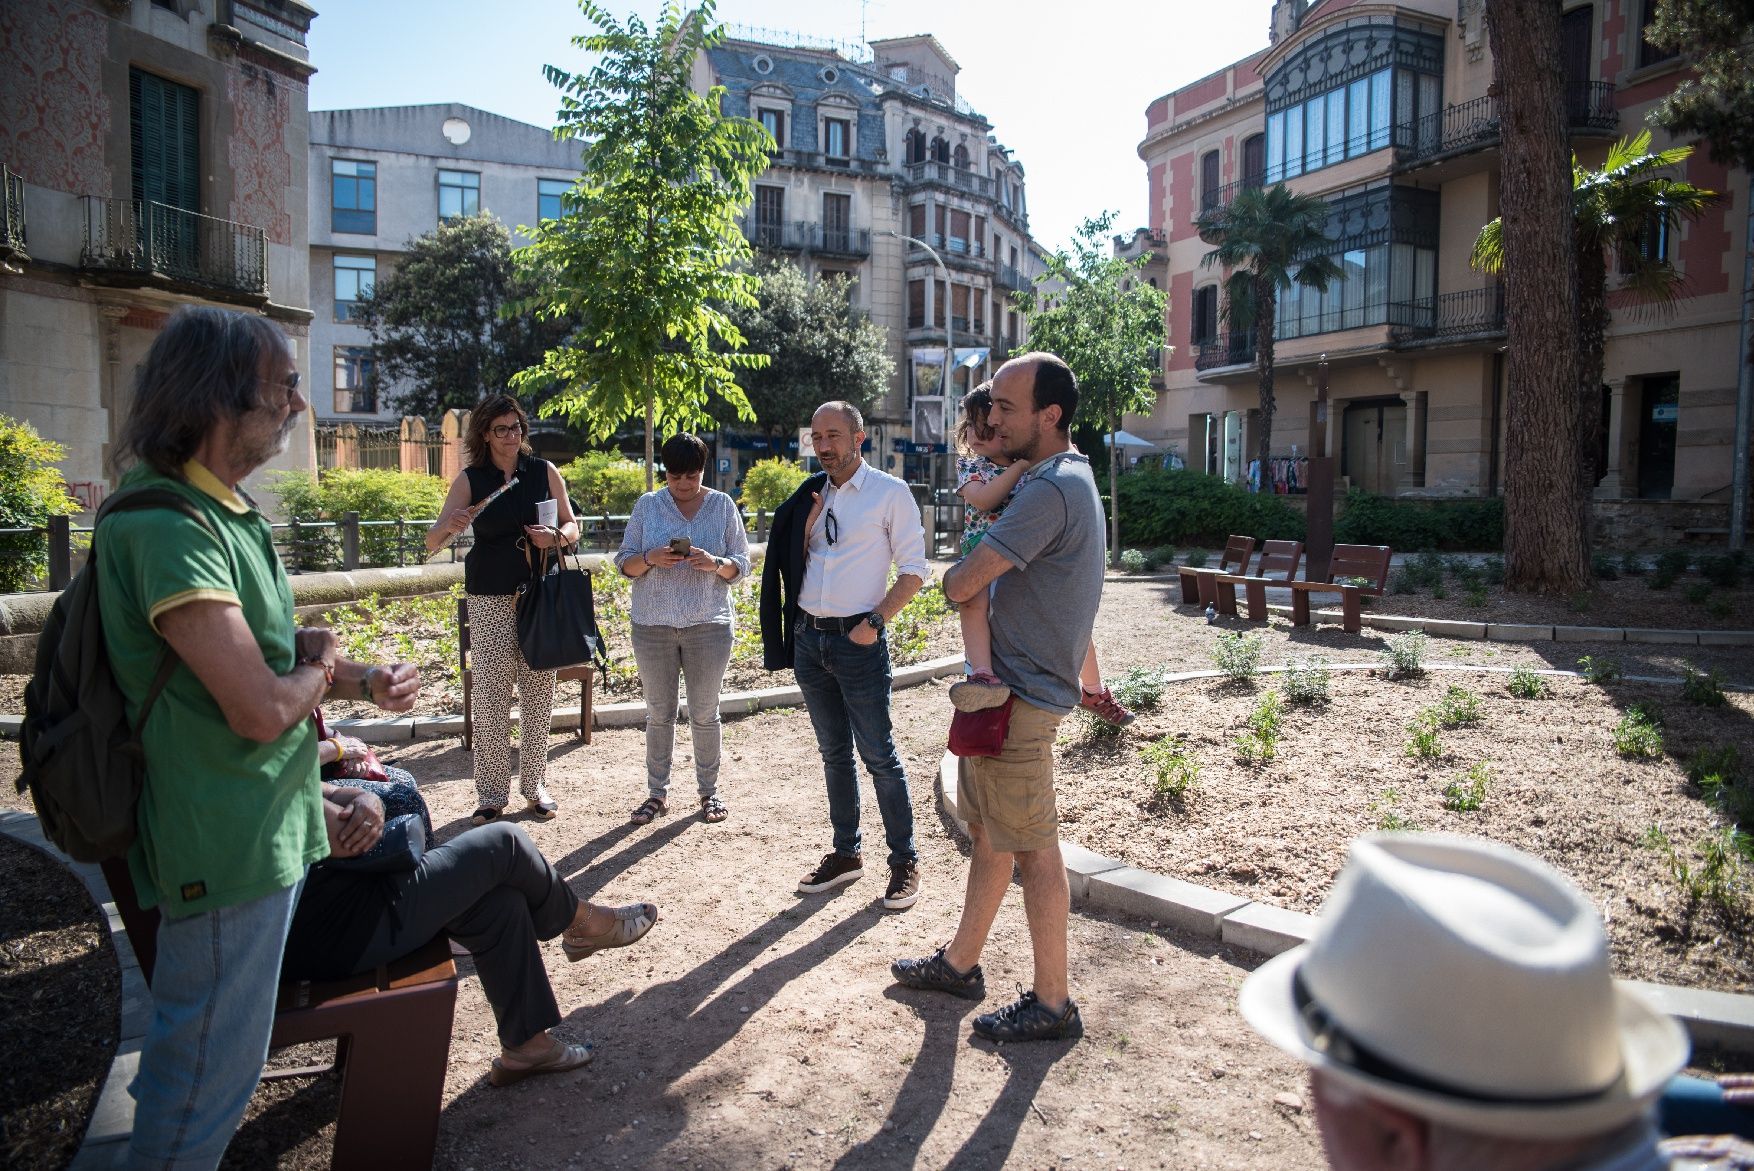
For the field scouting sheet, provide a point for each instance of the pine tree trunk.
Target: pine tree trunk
(1266, 314)
(1592, 346)
(1545, 545)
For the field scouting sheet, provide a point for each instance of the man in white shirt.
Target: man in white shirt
(861, 523)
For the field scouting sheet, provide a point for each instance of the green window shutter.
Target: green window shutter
(166, 141)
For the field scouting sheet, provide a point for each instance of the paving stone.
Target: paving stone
(438, 727)
(10, 726)
(1266, 929)
(1166, 900)
(1722, 1019)
(1397, 622)
(376, 731)
(930, 669)
(1726, 638)
(113, 1116)
(1080, 865)
(1670, 637)
(1518, 632)
(949, 781)
(1588, 634)
(1448, 628)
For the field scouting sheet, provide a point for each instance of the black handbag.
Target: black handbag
(557, 616)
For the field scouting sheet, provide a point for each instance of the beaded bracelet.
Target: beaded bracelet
(317, 662)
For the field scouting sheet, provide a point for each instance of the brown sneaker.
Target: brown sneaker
(904, 887)
(1105, 706)
(835, 870)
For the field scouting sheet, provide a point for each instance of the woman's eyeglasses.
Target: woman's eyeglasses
(505, 429)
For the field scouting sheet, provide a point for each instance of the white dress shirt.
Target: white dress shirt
(877, 524)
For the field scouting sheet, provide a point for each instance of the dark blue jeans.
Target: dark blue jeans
(846, 690)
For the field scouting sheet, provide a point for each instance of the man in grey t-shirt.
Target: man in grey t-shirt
(1051, 534)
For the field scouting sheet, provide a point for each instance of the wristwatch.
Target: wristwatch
(875, 621)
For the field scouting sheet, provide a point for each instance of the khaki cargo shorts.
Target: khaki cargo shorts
(1011, 795)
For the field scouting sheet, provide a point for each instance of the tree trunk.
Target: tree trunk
(1114, 495)
(650, 453)
(1266, 314)
(1592, 346)
(1545, 546)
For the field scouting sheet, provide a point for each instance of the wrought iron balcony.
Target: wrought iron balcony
(806, 236)
(1470, 313)
(1474, 125)
(169, 243)
(1222, 196)
(12, 228)
(1010, 278)
(1234, 349)
(949, 176)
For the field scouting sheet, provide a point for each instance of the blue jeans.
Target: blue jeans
(700, 653)
(213, 989)
(846, 690)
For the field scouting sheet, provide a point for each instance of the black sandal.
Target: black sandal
(484, 815)
(712, 809)
(649, 810)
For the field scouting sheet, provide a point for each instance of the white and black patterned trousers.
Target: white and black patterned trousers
(496, 664)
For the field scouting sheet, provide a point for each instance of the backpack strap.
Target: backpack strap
(129, 501)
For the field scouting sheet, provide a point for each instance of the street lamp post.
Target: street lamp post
(949, 320)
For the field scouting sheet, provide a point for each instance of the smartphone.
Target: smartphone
(680, 546)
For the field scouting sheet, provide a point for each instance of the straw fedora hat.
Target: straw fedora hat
(1469, 984)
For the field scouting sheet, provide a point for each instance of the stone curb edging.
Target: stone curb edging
(1721, 1019)
(105, 1144)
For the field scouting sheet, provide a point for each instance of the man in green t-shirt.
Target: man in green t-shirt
(232, 811)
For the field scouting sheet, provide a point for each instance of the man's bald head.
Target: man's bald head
(1053, 384)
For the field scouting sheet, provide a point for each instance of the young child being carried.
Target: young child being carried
(986, 479)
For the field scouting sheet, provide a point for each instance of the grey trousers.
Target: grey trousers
(700, 654)
(491, 890)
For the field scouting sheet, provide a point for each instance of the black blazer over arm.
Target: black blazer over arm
(782, 574)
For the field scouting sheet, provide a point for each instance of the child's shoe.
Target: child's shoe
(1105, 706)
(978, 692)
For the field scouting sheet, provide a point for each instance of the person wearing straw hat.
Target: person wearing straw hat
(1457, 1009)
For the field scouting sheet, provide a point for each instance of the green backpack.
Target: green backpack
(83, 764)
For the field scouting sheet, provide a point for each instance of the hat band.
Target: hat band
(1334, 1042)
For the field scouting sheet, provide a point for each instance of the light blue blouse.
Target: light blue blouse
(683, 595)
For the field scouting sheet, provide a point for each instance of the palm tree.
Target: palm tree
(1622, 207)
(1268, 239)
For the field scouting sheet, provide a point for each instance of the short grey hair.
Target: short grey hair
(855, 419)
(205, 366)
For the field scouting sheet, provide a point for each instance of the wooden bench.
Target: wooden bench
(1367, 562)
(1277, 557)
(584, 673)
(1200, 586)
(392, 1033)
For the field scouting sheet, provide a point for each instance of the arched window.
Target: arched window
(940, 151)
(960, 157)
(916, 146)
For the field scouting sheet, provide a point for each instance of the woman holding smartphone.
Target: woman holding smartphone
(684, 547)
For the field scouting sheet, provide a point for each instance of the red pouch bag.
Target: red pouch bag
(980, 733)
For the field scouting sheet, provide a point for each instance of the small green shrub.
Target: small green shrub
(1196, 559)
(1719, 608)
(604, 483)
(1305, 681)
(1176, 771)
(1715, 766)
(1389, 818)
(1706, 690)
(1698, 593)
(1494, 570)
(1460, 708)
(1632, 565)
(376, 494)
(1599, 670)
(1422, 738)
(1476, 595)
(1468, 794)
(769, 482)
(1604, 567)
(1133, 561)
(1139, 688)
(1637, 736)
(31, 491)
(1404, 653)
(1674, 562)
(1238, 655)
(1163, 555)
(1526, 684)
(1401, 582)
(1260, 743)
(1724, 572)
(1426, 570)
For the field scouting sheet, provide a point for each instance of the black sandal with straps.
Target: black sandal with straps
(712, 809)
(649, 810)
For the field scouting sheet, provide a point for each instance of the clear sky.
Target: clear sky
(1065, 86)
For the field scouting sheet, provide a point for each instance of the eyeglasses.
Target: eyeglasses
(830, 527)
(505, 429)
(289, 384)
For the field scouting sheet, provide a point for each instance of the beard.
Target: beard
(259, 439)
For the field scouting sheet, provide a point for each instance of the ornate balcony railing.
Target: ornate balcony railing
(949, 176)
(807, 236)
(1448, 316)
(1222, 196)
(1010, 278)
(1234, 349)
(12, 226)
(1474, 125)
(154, 239)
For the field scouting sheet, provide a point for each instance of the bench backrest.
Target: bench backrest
(1370, 562)
(1281, 558)
(1237, 553)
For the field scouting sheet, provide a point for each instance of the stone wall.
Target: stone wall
(1658, 524)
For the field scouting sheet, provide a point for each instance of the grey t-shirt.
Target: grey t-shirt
(1042, 612)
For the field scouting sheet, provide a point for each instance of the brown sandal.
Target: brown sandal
(649, 810)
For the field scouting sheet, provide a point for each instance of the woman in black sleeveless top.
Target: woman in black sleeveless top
(494, 569)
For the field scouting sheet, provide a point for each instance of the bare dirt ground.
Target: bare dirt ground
(758, 1028)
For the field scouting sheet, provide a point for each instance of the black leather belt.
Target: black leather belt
(834, 625)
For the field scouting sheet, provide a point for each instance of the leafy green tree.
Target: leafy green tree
(647, 249)
(821, 348)
(1267, 239)
(603, 483)
(31, 491)
(441, 323)
(1615, 209)
(1716, 103)
(1107, 323)
(379, 494)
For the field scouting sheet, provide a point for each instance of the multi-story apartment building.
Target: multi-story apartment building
(1386, 110)
(885, 175)
(380, 178)
(153, 155)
